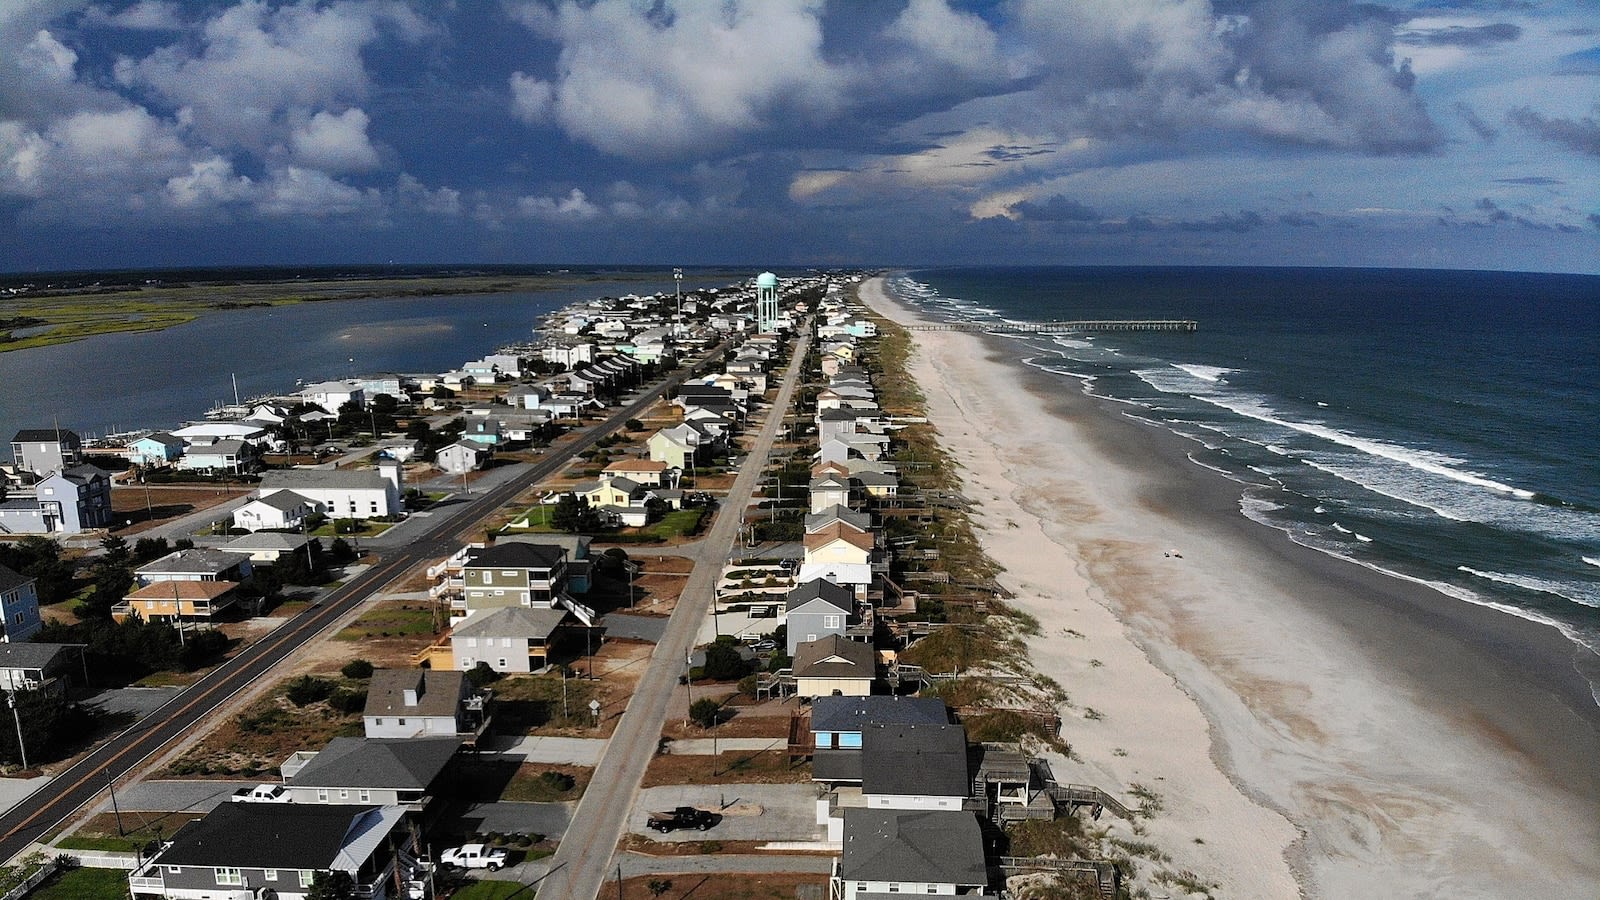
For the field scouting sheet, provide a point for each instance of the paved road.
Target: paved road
(583, 861)
(37, 815)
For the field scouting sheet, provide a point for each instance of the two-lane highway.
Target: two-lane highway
(68, 792)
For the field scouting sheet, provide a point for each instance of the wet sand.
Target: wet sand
(1312, 726)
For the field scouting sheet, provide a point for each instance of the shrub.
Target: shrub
(482, 674)
(306, 690)
(704, 712)
(357, 668)
(348, 701)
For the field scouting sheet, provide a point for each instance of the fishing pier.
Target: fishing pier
(1181, 325)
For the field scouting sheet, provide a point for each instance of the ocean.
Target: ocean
(1436, 425)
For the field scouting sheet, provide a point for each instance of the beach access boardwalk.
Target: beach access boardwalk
(1183, 325)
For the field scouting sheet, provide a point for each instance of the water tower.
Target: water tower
(766, 303)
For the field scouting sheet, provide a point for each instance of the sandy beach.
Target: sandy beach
(1313, 728)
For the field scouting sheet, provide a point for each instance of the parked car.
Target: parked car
(263, 793)
(766, 646)
(474, 856)
(682, 817)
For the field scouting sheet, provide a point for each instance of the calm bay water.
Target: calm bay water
(1437, 425)
(161, 379)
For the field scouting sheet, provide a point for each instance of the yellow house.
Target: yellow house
(164, 600)
(838, 543)
(834, 665)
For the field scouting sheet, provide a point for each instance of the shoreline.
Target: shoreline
(1370, 734)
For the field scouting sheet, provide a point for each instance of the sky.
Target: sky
(1412, 133)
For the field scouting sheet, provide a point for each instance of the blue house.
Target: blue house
(157, 449)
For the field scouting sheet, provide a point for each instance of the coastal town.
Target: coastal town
(681, 588)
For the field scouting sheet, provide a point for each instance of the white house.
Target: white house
(342, 493)
(280, 510)
(460, 457)
(330, 395)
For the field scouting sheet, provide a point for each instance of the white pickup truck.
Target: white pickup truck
(474, 856)
(263, 793)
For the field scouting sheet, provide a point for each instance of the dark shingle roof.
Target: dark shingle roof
(942, 847)
(267, 836)
(857, 713)
(45, 436)
(10, 579)
(824, 590)
(29, 656)
(915, 760)
(516, 556)
(409, 764)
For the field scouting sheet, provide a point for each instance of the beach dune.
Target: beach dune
(1309, 727)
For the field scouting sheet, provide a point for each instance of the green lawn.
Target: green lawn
(494, 890)
(675, 524)
(89, 884)
(391, 621)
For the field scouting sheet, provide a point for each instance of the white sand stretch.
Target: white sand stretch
(1288, 760)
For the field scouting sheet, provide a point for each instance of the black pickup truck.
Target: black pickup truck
(682, 817)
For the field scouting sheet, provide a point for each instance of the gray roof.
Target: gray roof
(440, 692)
(407, 764)
(11, 579)
(285, 501)
(510, 621)
(24, 655)
(310, 479)
(824, 590)
(270, 835)
(830, 480)
(868, 477)
(814, 659)
(915, 760)
(576, 545)
(943, 847)
(857, 713)
(267, 540)
(196, 559)
(861, 521)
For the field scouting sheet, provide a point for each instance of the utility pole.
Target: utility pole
(112, 787)
(677, 278)
(22, 745)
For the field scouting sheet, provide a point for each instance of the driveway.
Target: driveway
(139, 701)
(642, 628)
(506, 817)
(181, 795)
(551, 750)
(750, 812)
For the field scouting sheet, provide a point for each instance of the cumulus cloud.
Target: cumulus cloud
(254, 65)
(335, 143)
(297, 191)
(942, 36)
(1582, 135)
(574, 207)
(1311, 73)
(676, 78)
(208, 183)
(97, 156)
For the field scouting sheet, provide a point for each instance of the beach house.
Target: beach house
(160, 448)
(895, 852)
(278, 511)
(362, 771)
(44, 450)
(834, 665)
(19, 604)
(262, 850)
(409, 703)
(342, 493)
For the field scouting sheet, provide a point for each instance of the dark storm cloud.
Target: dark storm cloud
(1463, 35)
(1539, 180)
(1582, 135)
(1483, 129)
(1056, 209)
